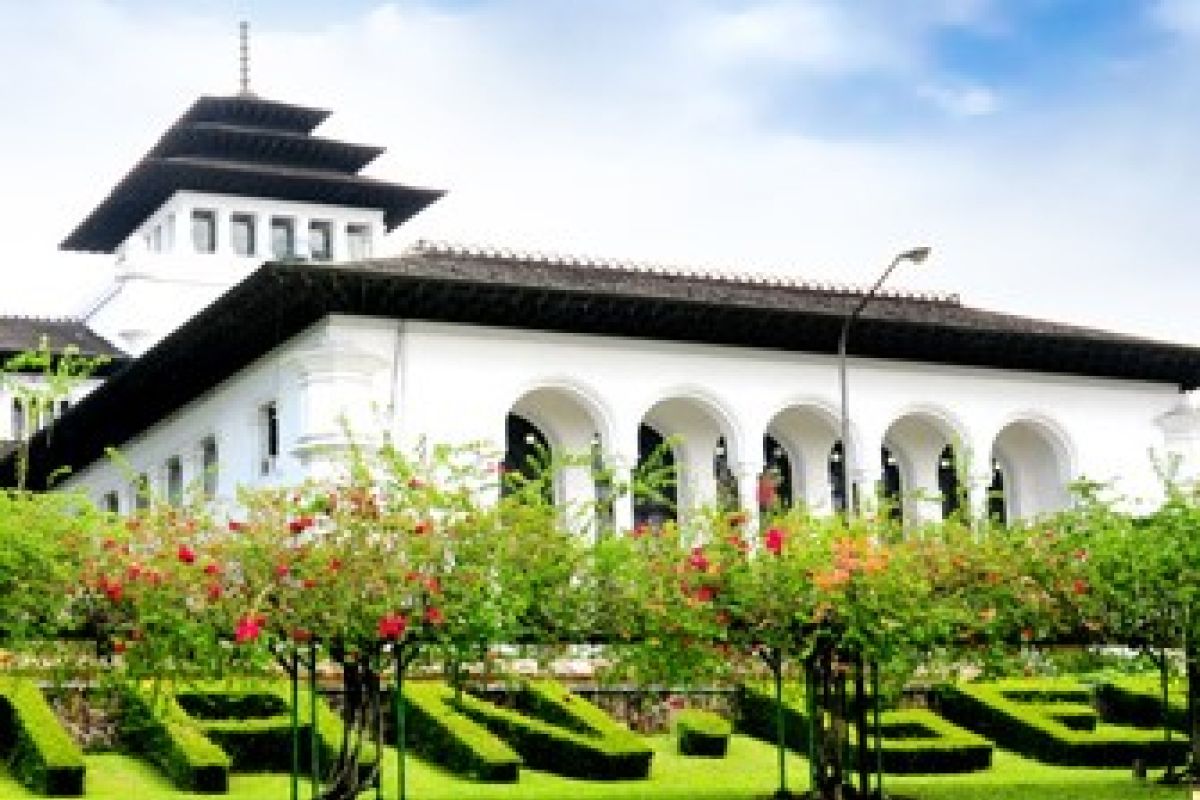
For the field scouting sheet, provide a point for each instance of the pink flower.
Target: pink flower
(392, 626)
(774, 540)
(186, 554)
(698, 560)
(248, 629)
(282, 570)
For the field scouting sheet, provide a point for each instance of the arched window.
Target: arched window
(948, 484)
(997, 503)
(658, 499)
(727, 484)
(526, 452)
(893, 486)
(779, 472)
(837, 477)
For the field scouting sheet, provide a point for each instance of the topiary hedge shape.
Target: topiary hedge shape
(40, 753)
(1023, 715)
(702, 733)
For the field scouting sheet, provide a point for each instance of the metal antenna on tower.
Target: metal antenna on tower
(244, 41)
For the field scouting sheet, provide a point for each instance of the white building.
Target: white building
(244, 373)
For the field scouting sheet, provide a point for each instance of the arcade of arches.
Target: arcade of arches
(921, 470)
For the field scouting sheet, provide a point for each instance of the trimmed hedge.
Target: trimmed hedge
(556, 731)
(437, 731)
(702, 733)
(198, 750)
(1138, 701)
(153, 726)
(1028, 725)
(918, 741)
(40, 753)
(915, 741)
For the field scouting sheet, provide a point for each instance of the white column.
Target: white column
(1181, 438)
(334, 381)
(923, 498)
(812, 473)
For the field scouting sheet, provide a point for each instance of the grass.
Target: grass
(748, 772)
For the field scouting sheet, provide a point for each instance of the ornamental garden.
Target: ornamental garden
(429, 625)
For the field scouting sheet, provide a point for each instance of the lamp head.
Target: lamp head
(916, 255)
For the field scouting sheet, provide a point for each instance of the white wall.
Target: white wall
(155, 291)
(457, 383)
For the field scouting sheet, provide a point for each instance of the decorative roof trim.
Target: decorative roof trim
(426, 247)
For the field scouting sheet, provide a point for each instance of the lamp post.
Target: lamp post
(915, 255)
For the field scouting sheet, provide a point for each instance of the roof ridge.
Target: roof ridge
(714, 273)
(38, 318)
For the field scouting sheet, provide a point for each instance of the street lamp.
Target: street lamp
(916, 256)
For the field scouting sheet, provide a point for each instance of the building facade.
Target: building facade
(247, 373)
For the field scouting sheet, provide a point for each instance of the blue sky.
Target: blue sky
(1044, 148)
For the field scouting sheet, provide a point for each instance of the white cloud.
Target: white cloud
(1181, 17)
(638, 141)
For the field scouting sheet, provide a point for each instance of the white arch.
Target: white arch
(807, 429)
(1038, 458)
(916, 437)
(698, 418)
(583, 395)
(1055, 433)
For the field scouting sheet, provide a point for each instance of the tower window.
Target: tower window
(175, 481)
(156, 239)
(268, 432)
(141, 492)
(320, 240)
(283, 238)
(112, 502)
(358, 242)
(242, 233)
(209, 466)
(204, 231)
(18, 419)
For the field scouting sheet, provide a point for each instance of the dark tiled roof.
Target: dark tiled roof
(19, 334)
(251, 147)
(456, 285)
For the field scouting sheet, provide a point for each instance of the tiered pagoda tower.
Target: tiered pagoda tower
(237, 181)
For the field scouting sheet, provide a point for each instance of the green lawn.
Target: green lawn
(748, 772)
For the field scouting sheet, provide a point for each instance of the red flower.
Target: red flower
(112, 589)
(133, 571)
(212, 569)
(433, 585)
(248, 629)
(309, 583)
(186, 554)
(392, 626)
(1079, 586)
(335, 564)
(301, 524)
(215, 591)
(282, 570)
(236, 527)
(301, 635)
(422, 527)
(639, 530)
(698, 560)
(434, 616)
(705, 594)
(774, 540)
(118, 646)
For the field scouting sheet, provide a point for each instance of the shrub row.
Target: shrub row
(558, 732)
(1138, 701)
(199, 734)
(1032, 729)
(152, 725)
(437, 731)
(40, 753)
(702, 733)
(914, 741)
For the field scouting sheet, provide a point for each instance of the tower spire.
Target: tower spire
(244, 56)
